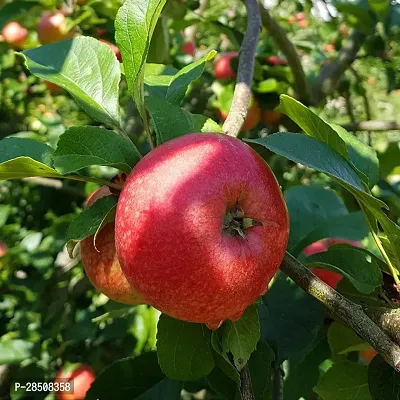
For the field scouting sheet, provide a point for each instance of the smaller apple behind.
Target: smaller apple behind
(80, 376)
(331, 278)
(52, 27)
(223, 68)
(101, 263)
(14, 34)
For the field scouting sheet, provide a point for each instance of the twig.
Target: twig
(330, 74)
(246, 388)
(278, 34)
(349, 107)
(373, 126)
(277, 389)
(347, 311)
(241, 96)
(55, 184)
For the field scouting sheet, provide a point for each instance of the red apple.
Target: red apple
(223, 68)
(52, 27)
(189, 48)
(114, 48)
(53, 87)
(329, 48)
(252, 118)
(3, 249)
(292, 20)
(274, 60)
(81, 376)
(331, 278)
(201, 227)
(303, 23)
(270, 117)
(300, 16)
(368, 355)
(14, 34)
(101, 263)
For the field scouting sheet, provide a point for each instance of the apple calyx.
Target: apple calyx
(235, 223)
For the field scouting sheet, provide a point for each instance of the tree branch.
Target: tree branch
(349, 312)
(372, 126)
(331, 73)
(246, 388)
(286, 46)
(241, 96)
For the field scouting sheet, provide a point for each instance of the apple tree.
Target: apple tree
(199, 200)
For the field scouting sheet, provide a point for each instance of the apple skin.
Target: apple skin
(53, 87)
(223, 68)
(252, 118)
(274, 60)
(189, 48)
(300, 16)
(82, 377)
(114, 48)
(3, 249)
(331, 278)
(102, 266)
(169, 228)
(270, 117)
(52, 27)
(368, 355)
(14, 34)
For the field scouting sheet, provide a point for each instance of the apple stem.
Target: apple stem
(347, 311)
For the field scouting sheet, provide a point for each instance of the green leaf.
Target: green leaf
(181, 81)
(170, 121)
(343, 381)
(304, 370)
(241, 337)
(289, 318)
(80, 147)
(5, 210)
(127, 378)
(15, 351)
(261, 366)
(25, 167)
(343, 340)
(184, 349)
(89, 220)
(352, 263)
(134, 27)
(11, 148)
(85, 67)
(311, 152)
(15, 9)
(167, 389)
(23, 158)
(157, 78)
(312, 124)
(383, 380)
(222, 361)
(222, 385)
(380, 8)
(363, 157)
(173, 88)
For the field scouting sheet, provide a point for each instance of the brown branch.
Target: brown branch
(372, 126)
(388, 319)
(331, 73)
(349, 312)
(278, 34)
(241, 96)
(246, 388)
